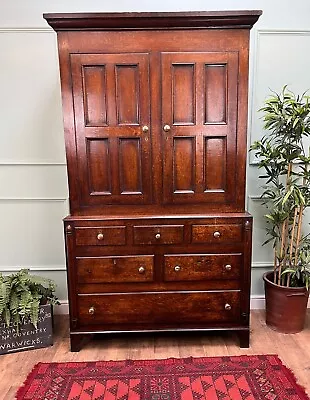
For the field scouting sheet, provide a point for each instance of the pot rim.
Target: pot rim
(299, 288)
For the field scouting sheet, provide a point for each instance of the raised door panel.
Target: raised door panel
(199, 117)
(112, 104)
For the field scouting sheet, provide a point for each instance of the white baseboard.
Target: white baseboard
(63, 308)
(257, 303)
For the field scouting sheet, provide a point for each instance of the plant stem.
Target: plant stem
(293, 234)
(275, 265)
(282, 247)
(298, 234)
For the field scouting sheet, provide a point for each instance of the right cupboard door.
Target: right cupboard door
(199, 123)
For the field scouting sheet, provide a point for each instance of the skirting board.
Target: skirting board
(257, 303)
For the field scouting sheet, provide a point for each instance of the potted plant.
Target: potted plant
(25, 311)
(285, 161)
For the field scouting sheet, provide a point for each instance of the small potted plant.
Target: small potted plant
(25, 311)
(285, 161)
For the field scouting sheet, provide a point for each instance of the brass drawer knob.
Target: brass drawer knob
(227, 307)
(217, 234)
(91, 311)
(145, 129)
(167, 128)
(228, 267)
(177, 268)
(157, 236)
(100, 236)
(141, 270)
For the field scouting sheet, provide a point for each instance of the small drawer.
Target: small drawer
(115, 269)
(158, 234)
(217, 233)
(200, 267)
(101, 236)
(166, 309)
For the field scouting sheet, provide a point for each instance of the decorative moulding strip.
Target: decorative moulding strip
(32, 164)
(13, 29)
(44, 268)
(265, 264)
(255, 198)
(259, 33)
(34, 199)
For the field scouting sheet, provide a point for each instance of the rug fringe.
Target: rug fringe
(301, 390)
(22, 390)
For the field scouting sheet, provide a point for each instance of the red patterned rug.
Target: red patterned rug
(222, 378)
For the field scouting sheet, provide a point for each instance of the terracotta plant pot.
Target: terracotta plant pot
(285, 306)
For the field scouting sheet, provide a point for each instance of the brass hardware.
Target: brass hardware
(145, 129)
(177, 268)
(228, 267)
(141, 270)
(157, 236)
(167, 128)
(217, 234)
(91, 311)
(100, 236)
(69, 230)
(227, 307)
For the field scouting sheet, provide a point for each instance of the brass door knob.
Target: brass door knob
(100, 236)
(177, 268)
(228, 267)
(227, 307)
(157, 236)
(167, 128)
(145, 129)
(217, 234)
(91, 311)
(141, 270)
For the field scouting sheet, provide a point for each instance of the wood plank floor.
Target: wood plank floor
(294, 350)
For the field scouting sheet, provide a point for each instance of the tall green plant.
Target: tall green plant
(21, 295)
(285, 162)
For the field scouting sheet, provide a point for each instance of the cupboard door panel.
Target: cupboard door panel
(215, 151)
(99, 167)
(130, 166)
(199, 104)
(215, 93)
(112, 103)
(94, 78)
(127, 94)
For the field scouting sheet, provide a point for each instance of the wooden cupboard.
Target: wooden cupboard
(155, 117)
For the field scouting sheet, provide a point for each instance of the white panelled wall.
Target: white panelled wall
(33, 181)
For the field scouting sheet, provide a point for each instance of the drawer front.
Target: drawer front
(158, 234)
(115, 269)
(101, 236)
(197, 267)
(159, 308)
(217, 233)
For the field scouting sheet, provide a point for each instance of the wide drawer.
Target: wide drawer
(196, 267)
(101, 236)
(115, 269)
(217, 233)
(158, 234)
(159, 308)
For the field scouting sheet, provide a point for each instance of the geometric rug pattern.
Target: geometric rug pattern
(208, 378)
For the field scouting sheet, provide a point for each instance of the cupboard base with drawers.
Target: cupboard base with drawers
(155, 121)
(158, 274)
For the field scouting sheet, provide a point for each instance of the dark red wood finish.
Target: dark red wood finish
(155, 116)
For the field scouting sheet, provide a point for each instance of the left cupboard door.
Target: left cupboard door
(111, 98)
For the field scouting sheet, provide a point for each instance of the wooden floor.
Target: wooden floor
(294, 350)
